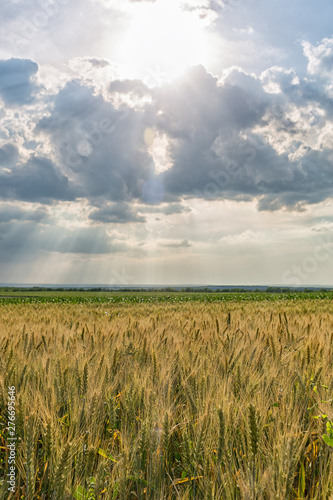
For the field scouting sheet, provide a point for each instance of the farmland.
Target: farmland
(167, 396)
(39, 296)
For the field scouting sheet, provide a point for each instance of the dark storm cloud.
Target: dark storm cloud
(250, 173)
(16, 84)
(38, 180)
(312, 183)
(8, 155)
(9, 213)
(199, 113)
(117, 213)
(206, 121)
(214, 151)
(212, 159)
(197, 109)
(102, 146)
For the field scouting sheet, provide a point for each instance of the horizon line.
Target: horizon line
(140, 285)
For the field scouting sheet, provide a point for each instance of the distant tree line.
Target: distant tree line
(188, 289)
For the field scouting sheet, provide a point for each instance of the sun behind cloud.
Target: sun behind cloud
(162, 40)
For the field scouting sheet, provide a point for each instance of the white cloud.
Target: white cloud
(276, 79)
(320, 58)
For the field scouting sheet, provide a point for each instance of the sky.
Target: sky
(166, 142)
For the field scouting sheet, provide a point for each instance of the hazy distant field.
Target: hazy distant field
(166, 400)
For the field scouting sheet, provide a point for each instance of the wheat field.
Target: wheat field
(172, 401)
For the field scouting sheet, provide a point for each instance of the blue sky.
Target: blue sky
(166, 142)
